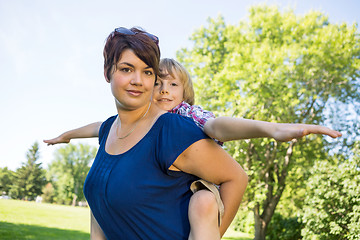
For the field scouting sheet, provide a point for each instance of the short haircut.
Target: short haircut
(142, 45)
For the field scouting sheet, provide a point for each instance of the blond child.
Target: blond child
(174, 93)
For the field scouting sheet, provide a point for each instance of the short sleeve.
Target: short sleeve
(177, 133)
(104, 128)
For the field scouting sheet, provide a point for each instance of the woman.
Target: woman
(138, 186)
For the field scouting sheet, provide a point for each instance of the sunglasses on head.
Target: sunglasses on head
(126, 31)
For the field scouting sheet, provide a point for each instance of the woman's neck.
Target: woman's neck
(129, 117)
(129, 122)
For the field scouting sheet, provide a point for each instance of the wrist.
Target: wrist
(65, 137)
(271, 129)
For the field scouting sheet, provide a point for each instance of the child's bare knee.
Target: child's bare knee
(203, 203)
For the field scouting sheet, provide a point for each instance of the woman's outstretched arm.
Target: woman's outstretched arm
(88, 131)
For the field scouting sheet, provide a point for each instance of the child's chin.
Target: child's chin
(166, 107)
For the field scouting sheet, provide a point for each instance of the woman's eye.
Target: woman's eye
(173, 84)
(125, 69)
(149, 73)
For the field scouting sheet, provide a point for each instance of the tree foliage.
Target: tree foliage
(332, 205)
(48, 193)
(29, 179)
(281, 228)
(6, 180)
(276, 67)
(68, 172)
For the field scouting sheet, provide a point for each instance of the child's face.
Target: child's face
(168, 92)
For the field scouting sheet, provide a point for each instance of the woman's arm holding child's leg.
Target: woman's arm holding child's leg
(88, 131)
(229, 128)
(209, 161)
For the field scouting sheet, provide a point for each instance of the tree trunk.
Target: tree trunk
(272, 199)
(260, 225)
(74, 200)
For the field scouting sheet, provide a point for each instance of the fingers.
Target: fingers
(335, 134)
(56, 140)
(314, 129)
(329, 132)
(49, 142)
(304, 130)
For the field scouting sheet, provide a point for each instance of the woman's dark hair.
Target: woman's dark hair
(140, 43)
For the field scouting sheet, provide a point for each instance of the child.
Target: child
(174, 93)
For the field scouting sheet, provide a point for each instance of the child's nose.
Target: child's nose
(164, 90)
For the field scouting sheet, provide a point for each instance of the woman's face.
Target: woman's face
(132, 83)
(168, 92)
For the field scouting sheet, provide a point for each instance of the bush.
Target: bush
(244, 222)
(281, 228)
(332, 205)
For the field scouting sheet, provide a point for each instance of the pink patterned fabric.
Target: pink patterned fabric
(199, 115)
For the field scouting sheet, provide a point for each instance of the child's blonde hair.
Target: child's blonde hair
(168, 66)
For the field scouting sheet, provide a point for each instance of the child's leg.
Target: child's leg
(205, 211)
(203, 216)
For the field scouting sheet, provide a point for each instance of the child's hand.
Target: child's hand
(287, 132)
(59, 139)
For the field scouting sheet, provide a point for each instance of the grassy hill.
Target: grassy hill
(21, 220)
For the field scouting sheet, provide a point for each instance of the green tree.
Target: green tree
(29, 179)
(332, 204)
(276, 67)
(69, 170)
(6, 180)
(48, 193)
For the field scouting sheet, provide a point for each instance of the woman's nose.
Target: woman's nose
(136, 79)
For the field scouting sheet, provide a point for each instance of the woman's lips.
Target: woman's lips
(134, 92)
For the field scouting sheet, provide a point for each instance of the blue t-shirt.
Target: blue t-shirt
(134, 195)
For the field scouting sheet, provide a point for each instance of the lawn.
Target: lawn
(40, 221)
(21, 220)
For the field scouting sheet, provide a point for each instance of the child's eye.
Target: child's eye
(173, 84)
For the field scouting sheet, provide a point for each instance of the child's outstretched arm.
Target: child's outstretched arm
(88, 131)
(229, 128)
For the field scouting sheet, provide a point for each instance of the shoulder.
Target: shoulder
(105, 127)
(174, 134)
(108, 122)
(188, 110)
(198, 109)
(172, 119)
(178, 125)
(182, 107)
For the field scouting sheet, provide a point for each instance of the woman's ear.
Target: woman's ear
(106, 78)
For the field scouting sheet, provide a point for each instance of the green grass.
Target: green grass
(231, 234)
(40, 221)
(30, 220)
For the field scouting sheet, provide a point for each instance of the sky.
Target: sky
(51, 64)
